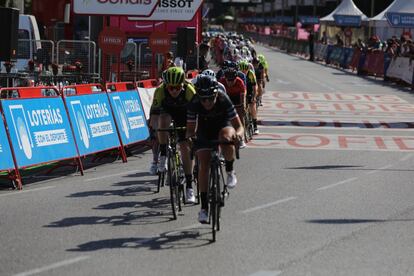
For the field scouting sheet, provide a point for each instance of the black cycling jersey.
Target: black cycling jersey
(258, 71)
(221, 114)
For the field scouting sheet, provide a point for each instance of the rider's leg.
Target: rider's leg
(227, 134)
(204, 156)
(164, 121)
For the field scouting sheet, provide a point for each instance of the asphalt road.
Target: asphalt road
(325, 189)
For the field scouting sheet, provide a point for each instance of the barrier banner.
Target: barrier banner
(387, 61)
(401, 68)
(346, 57)
(93, 124)
(328, 53)
(355, 59)
(39, 130)
(6, 158)
(146, 96)
(129, 115)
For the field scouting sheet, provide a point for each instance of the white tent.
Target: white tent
(380, 23)
(347, 7)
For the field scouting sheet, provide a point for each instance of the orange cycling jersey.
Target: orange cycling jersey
(237, 89)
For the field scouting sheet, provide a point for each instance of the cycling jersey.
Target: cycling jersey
(210, 122)
(163, 102)
(236, 91)
(251, 81)
(175, 107)
(259, 72)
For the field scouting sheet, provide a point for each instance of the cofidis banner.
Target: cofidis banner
(39, 130)
(6, 159)
(129, 115)
(93, 123)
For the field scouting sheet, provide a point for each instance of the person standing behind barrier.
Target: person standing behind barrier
(311, 39)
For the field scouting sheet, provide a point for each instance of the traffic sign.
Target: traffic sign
(115, 7)
(112, 40)
(173, 10)
(159, 42)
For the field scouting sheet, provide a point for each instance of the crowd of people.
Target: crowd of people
(212, 106)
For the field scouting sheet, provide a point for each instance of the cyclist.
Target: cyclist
(212, 74)
(170, 102)
(265, 65)
(236, 90)
(259, 72)
(251, 89)
(230, 64)
(211, 116)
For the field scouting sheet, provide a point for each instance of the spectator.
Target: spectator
(324, 39)
(202, 59)
(339, 41)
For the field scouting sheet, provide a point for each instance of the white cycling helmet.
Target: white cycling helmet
(209, 72)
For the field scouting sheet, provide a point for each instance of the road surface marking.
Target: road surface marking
(109, 176)
(267, 205)
(266, 273)
(27, 191)
(380, 169)
(337, 184)
(53, 266)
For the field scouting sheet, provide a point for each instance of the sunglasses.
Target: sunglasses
(208, 99)
(174, 87)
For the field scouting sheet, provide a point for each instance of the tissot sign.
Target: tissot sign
(173, 10)
(115, 7)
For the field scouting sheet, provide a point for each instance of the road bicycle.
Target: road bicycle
(175, 171)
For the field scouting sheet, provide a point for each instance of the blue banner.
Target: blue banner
(347, 20)
(39, 130)
(93, 123)
(281, 19)
(308, 20)
(400, 20)
(6, 158)
(129, 116)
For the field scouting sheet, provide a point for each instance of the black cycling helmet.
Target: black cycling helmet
(206, 86)
(229, 64)
(230, 73)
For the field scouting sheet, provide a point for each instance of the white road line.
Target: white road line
(380, 169)
(268, 205)
(405, 158)
(53, 266)
(337, 184)
(109, 176)
(26, 191)
(266, 273)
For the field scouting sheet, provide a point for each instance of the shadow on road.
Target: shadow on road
(352, 221)
(170, 240)
(346, 168)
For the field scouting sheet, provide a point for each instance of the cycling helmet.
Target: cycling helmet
(209, 72)
(229, 64)
(206, 86)
(173, 76)
(243, 65)
(261, 58)
(230, 73)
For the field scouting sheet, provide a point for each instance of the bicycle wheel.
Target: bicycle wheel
(218, 199)
(195, 180)
(172, 180)
(213, 202)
